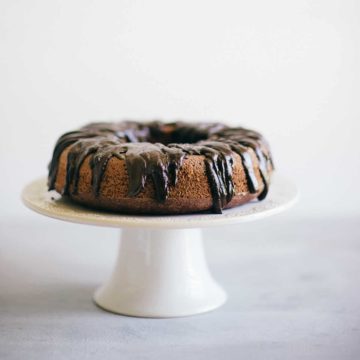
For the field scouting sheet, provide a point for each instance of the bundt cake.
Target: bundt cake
(161, 168)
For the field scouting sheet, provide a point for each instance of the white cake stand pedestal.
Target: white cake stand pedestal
(161, 269)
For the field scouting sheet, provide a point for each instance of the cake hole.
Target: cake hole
(171, 133)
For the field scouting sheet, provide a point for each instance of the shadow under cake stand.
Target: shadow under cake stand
(161, 269)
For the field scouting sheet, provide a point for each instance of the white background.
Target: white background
(287, 68)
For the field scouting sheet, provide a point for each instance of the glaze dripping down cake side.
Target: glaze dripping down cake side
(161, 168)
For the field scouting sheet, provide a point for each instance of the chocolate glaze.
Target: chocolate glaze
(157, 150)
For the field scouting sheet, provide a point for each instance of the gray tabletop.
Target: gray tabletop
(293, 288)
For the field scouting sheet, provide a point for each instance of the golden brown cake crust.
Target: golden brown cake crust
(191, 193)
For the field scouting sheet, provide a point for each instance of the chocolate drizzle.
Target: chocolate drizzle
(157, 150)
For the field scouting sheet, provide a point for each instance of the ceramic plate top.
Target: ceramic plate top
(283, 193)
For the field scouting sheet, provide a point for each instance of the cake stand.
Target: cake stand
(161, 270)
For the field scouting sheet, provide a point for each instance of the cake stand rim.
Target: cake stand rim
(282, 195)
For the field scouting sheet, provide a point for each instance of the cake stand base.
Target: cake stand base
(160, 273)
(161, 270)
